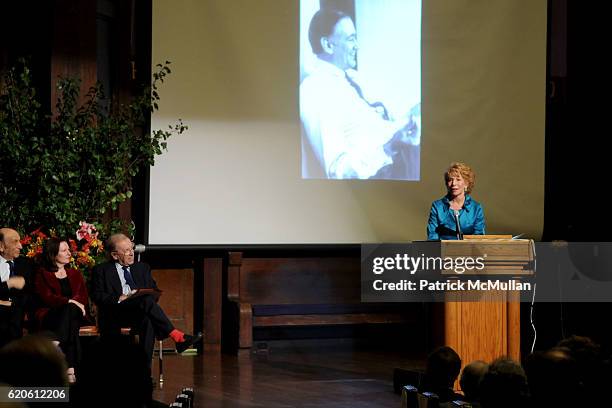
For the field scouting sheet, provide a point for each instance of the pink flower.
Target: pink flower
(85, 231)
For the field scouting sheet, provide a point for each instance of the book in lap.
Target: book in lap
(136, 293)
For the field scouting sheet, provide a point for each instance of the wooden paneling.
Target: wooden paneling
(177, 298)
(74, 44)
(275, 281)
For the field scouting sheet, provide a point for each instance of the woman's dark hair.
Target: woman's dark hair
(50, 251)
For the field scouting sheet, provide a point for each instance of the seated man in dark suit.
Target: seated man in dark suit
(112, 283)
(15, 283)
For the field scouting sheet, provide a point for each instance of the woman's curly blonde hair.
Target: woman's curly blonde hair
(464, 171)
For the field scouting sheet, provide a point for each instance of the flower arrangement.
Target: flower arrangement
(87, 247)
(33, 243)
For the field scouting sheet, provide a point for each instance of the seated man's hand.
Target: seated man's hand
(122, 298)
(17, 282)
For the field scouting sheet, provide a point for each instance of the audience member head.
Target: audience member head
(593, 370)
(553, 378)
(120, 249)
(33, 361)
(10, 243)
(582, 349)
(443, 366)
(504, 385)
(471, 376)
(114, 373)
(56, 252)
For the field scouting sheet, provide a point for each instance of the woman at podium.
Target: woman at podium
(456, 213)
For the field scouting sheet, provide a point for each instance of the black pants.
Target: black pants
(11, 324)
(143, 315)
(64, 322)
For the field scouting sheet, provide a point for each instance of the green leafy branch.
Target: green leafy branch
(77, 165)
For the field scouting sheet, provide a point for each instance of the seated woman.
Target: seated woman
(456, 213)
(63, 300)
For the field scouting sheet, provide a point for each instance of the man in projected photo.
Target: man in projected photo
(350, 135)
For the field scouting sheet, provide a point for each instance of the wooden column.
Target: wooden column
(213, 278)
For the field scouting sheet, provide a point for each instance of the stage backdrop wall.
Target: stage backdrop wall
(235, 176)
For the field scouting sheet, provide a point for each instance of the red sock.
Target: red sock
(177, 336)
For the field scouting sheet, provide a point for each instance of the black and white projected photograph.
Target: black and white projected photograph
(360, 89)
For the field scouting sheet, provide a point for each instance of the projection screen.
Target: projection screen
(236, 176)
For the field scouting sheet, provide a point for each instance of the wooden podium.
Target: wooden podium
(488, 328)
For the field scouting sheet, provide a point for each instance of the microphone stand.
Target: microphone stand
(459, 233)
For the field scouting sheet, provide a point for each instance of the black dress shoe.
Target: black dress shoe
(189, 340)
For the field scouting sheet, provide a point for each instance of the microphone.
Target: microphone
(459, 233)
(139, 249)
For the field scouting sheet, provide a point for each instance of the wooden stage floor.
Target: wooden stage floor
(325, 375)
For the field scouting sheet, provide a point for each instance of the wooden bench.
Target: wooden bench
(92, 331)
(301, 291)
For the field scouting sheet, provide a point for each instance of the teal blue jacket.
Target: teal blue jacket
(442, 225)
